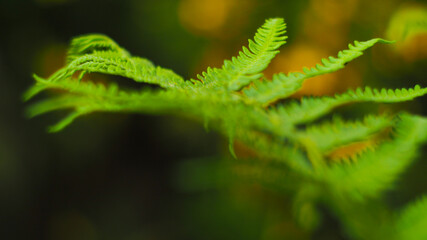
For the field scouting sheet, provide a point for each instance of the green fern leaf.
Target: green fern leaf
(88, 44)
(291, 156)
(330, 135)
(311, 108)
(85, 97)
(98, 53)
(412, 222)
(376, 171)
(247, 67)
(138, 69)
(75, 87)
(276, 150)
(264, 92)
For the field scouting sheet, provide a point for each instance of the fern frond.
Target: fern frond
(363, 220)
(53, 104)
(144, 102)
(247, 67)
(92, 97)
(377, 170)
(264, 92)
(86, 96)
(75, 87)
(99, 53)
(88, 44)
(278, 150)
(412, 222)
(311, 108)
(291, 156)
(113, 63)
(66, 121)
(350, 153)
(331, 135)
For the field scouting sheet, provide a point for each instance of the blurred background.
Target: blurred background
(112, 176)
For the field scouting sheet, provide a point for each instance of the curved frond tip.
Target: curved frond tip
(88, 44)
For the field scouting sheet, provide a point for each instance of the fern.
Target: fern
(412, 221)
(247, 67)
(311, 108)
(89, 44)
(330, 135)
(98, 53)
(292, 152)
(387, 162)
(264, 92)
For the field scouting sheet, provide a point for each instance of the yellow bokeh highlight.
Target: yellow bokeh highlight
(221, 19)
(334, 12)
(326, 22)
(415, 49)
(206, 16)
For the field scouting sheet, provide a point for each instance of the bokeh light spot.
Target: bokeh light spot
(204, 16)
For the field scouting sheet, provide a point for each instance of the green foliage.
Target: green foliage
(412, 221)
(377, 170)
(282, 86)
(247, 67)
(354, 161)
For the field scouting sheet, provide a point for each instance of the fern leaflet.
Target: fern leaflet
(311, 108)
(264, 92)
(330, 135)
(387, 162)
(412, 221)
(247, 67)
